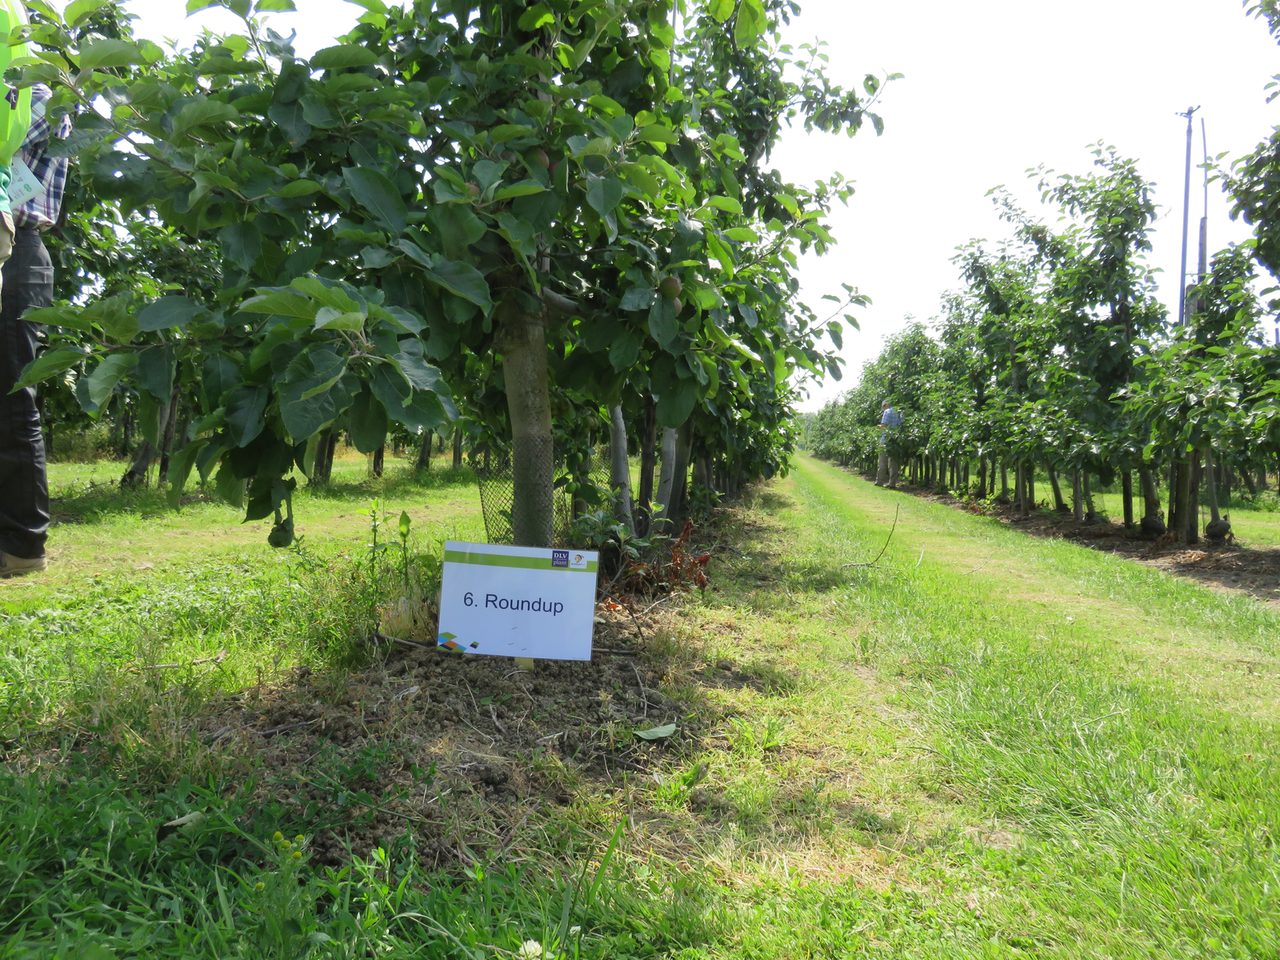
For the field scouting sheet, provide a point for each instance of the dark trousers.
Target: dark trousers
(24, 488)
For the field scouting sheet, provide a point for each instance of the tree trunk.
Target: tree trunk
(1181, 506)
(1218, 528)
(1004, 480)
(166, 441)
(1091, 515)
(136, 475)
(620, 467)
(379, 458)
(423, 463)
(1211, 484)
(680, 487)
(1262, 478)
(1250, 485)
(322, 469)
(523, 344)
(1152, 524)
(1126, 493)
(1020, 490)
(667, 476)
(982, 478)
(457, 448)
(1077, 496)
(1059, 504)
(648, 462)
(1193, 500)
(1031, 484)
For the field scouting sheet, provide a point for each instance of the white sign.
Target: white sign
(518, 601)
(24, 185)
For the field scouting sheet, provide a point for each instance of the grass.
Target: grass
(1038, 748)
(984, 745)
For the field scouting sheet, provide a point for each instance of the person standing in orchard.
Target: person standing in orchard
(887, 471)
(33, 185)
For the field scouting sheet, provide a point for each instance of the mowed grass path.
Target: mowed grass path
(991, 745)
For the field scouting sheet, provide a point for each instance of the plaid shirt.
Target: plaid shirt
(41, 211)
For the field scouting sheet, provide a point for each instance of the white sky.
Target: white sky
(991, 88)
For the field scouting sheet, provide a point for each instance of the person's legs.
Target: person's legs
(893, 472)
(882, 469)
(24, 490)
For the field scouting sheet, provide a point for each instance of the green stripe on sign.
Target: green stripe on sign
(524, 563)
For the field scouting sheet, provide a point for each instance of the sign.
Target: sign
(24, 185)
(518, 601)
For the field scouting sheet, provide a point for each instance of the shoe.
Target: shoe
(11, 566)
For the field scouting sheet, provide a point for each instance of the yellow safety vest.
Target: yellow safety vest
(15, 108)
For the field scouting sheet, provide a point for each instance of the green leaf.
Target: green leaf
(457, 227)
(242, 243)
(307, 400)
(245, 405)
(624, 352)
(728, 204)
(639, 177)
(318, 113)
(417, 372)
(720, 10)
(78, 9)
(330, 318)
(375, 192)
(155, 372)
(522, 189)
(104, 54)
(657, 133)
(675, 404)
(50, 364)
(722, 253)
(406, 524)
(180, 469)
(102, 382)
(638, 298)
(603, 193)
(750, 24)
(460, 279)
(375, 258)
(274, 6)
(200, 113)
(299, 188)
(220, 374)
(662, 322)
(368, 422)
(331, 293)
(288, 117)
(283, 303)
(741, 235)
(657, 733)
(536, 16)
(168, 312)
(150, 411)
(606, 105)
(343, 56)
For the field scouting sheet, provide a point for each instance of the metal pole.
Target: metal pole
(1186, 221)
(1204, 221)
